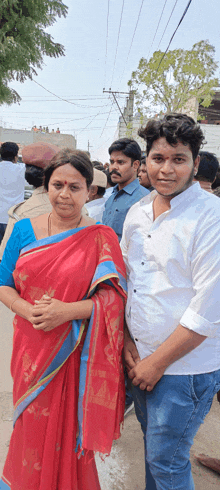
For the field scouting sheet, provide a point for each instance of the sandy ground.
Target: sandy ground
(124, 469)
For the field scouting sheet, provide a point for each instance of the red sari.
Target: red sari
(70, 379)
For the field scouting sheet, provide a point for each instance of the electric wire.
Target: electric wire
(119, 30)
(167, 23)
(89, 123)
(135, 29)
(61, 98)
(184, 13)
(107, 119)
(157, 27)
(106, 44)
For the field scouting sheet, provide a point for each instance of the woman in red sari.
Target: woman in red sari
(64, 278)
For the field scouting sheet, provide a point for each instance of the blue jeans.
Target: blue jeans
(170, 417)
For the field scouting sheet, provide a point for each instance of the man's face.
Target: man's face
(143, 176)
(171, 168)
(121, 169)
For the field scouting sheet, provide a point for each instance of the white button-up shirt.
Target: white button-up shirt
(12, 184)
(96, 208)
(173, 269)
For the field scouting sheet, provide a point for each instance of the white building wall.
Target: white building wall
(210, 131)
(212, 138)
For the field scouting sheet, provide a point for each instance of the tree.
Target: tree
(181, 76)
(24, 42)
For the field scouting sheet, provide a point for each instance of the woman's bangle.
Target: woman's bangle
(13, 303)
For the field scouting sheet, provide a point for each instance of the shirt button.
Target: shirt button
(149, 236)
(136, 340)
(135, 290)
(116, 210)
(142, 263)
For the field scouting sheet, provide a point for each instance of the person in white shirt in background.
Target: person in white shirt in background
(171, 248)
(12, 181)
(36, 157)
(110, 186)
(96, 204)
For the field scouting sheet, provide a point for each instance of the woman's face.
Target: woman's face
(67, 191)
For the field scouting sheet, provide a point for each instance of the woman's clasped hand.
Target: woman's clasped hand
(48, 313)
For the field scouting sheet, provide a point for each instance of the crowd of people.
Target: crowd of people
(43, 129)
(112, 272)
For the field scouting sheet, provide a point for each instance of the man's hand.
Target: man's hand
(131, 355)
(49, 313)
(146, 373)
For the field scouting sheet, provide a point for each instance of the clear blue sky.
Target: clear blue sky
(88, 66)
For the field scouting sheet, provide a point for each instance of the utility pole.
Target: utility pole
(89, 146)
(114, 95)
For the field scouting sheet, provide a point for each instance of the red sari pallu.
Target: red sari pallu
(67, 382)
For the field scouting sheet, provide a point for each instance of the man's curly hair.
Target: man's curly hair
(175, 128)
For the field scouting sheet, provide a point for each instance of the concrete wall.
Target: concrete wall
(23, 138)
(211, 133)
(19, 136)
(59, 139)
(212, 138)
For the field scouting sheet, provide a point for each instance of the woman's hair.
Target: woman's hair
(78, 159)
(175, 128)
(34, 175)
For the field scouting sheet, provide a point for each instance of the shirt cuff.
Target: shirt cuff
(198, 324)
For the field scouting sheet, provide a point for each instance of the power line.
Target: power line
(107, 120)
(184, 13)
(89, 123)
(167, 23)
(157, 27)
(139, 13)
(85, 97)
(119, 30)
(61, 98)
(106, 44)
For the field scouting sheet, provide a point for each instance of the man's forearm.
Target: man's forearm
(179, 343)
(151, 369)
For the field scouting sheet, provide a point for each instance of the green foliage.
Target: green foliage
(181, 76)
(24, 42)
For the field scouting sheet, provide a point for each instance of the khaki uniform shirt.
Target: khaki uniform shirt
(35, 206)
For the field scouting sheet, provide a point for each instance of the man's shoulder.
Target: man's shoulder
(205, 205)
(12, 170)
(135, 211)
(142, 191)
(37, 204)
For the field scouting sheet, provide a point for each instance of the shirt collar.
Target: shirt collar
(129, 189)
(186, 196)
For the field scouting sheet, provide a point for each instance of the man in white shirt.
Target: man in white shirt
(96, 204)
(12, 182)
(171, 247)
